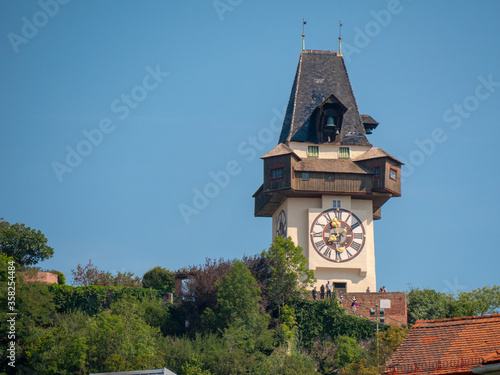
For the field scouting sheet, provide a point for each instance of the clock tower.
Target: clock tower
(324, 183)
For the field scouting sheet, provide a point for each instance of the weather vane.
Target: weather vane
(303, 35)
(340, 38)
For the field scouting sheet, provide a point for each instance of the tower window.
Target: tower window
(377, 172)
(305, 176)
(312, 151)
(336, 203)
(276, 173)
(344, 153)
(339, 285)
(393, 174)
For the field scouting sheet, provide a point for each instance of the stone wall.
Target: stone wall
(395, 315)
(41, 277)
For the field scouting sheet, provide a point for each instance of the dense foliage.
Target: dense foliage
(232, 317)
(228, 320)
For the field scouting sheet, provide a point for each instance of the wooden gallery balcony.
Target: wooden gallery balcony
(375, 175)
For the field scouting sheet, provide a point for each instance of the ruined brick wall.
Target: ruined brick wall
(42, 277)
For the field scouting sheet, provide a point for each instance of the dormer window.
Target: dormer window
(327, 120)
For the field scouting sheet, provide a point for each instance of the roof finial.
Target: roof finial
(340, 38)
(303, 35)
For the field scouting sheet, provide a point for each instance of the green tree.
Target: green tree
(290, 275)
(160, 279)
(427, 304)
(121, 340)
(238, 296)
(348, 351)
(373, 361)
(320, 320)
(485, 300)
(388, 341)
(27, 246)
(61, 348)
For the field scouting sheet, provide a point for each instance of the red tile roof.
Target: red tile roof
(447, 346)
(492, 357)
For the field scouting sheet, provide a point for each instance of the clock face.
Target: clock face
(337, 235)
(281, 224)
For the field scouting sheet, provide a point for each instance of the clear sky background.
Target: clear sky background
(428, 71)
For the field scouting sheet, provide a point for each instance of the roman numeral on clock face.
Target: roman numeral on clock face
(338, 215)
(338, 256)
(320, 245)
(318, 234)
(328, 252)
(355, 246)
(358, 236)
(355, 225)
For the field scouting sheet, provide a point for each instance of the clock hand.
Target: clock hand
(335, 223)
(333, 237)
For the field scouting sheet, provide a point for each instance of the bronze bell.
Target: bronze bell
(330, 123)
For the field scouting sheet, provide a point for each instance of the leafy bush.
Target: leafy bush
(325, 318)
(93, 299)
(160, 279)
(61, 279)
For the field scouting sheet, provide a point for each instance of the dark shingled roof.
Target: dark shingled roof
(280, 149)
(374, 153)
(366, 119)
(331, 166)
(321, 74)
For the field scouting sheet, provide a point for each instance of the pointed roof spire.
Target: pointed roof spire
(303, 35)
(340, 38)
(321, 75)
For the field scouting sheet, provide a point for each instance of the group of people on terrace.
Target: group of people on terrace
(381, 289)
(322, 290)
(328, 290)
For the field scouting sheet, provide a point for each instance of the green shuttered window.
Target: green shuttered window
(344, 153)
(312, 151)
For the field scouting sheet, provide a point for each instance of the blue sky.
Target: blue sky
(161, 96)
